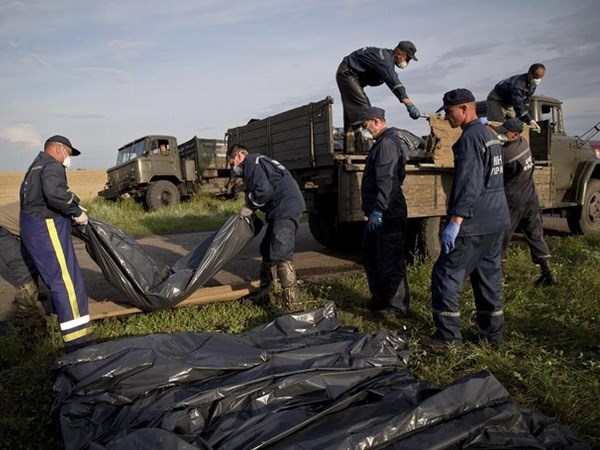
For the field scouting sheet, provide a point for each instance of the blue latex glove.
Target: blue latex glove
(449, 236)
(484, 120)
(375, 221)
(413, 111)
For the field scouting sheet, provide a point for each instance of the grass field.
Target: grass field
(84, 183)
(550, 361)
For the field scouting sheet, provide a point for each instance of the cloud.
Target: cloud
(38, 59)
(21, 133)
(106, 73)
(127, 51)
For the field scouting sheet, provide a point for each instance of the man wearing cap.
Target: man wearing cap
(511, 97)
(476, 222)
(48, 209)
(371, 66)
(384, 204)
(522, 198)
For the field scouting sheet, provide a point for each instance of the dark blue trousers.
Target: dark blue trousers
(383, 258)
(16, 258)
(50, 245)
(279, 242)
(476, 258)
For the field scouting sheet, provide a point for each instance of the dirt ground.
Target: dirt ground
(312, 261)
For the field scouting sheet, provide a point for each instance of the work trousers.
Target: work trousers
(354, 100)
(497, 110)
(383, 259)
(16, 258)
(478, 258)
(528, 220)
(51, 247)
(279, 242)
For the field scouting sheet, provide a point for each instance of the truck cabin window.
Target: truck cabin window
(161, 147)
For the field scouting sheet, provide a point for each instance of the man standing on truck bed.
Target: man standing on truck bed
(511, 97)
(384, 204)
(47, 210)
(522, 198)
(472, 238)
(371, 66)
(271, 188)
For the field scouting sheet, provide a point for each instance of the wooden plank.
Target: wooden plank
(102, 310)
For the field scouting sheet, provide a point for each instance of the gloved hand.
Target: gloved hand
(245, 211)
(484, 120)
(413, 111)
(375, 221)
(534, 125)
(81, 219)
(449, 236)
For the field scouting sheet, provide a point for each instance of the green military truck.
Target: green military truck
(159, 172)
(302, 139)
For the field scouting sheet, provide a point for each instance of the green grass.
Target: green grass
(550, 361)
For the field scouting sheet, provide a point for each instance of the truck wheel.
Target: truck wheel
(587, 218)
(328, 232)
(428, 237)
(161, 194)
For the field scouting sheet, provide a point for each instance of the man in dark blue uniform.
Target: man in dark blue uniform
(477, 221)
(271, 188)
(384, 204)
(371, 66)
(522, 199)
(47, 212)
(511, 97)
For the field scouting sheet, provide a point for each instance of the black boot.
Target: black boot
(547, 278)
(262, 296)
(289, 286)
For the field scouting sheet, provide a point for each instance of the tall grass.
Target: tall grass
(550, 361)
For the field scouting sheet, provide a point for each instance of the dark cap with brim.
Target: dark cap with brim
(63, 140)
(408, 48)
(372, 112)
(512, 124)
(456, 97)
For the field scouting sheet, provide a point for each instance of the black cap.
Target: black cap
(512, 124)
(63, 140)
(369, 113)
(456, 97)
(409, 48)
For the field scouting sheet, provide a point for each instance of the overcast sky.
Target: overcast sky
(106, 72)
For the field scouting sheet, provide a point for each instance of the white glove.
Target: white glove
(534, 125)
(245, 211)
(81, 219)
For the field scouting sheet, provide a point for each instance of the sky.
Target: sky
(104, 73)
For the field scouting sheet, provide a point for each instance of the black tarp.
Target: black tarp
(302, 381)
(150, 284)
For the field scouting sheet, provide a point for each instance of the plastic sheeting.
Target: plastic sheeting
(150, 284)
(302, 381)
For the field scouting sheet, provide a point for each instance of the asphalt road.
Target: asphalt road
(312, 262)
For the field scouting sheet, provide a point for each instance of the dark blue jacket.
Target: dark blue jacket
(381, 187)
(271, 188)
(478, 189)
(375, 66)
(517, 92)
(518, 173)
(44, 192)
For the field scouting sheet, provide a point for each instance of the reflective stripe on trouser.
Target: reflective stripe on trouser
(476, 257)
(383, 259)
(51, 247)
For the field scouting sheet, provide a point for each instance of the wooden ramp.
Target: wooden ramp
(102, 310)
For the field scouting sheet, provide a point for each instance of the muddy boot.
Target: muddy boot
(262, 295)
(29, 313)
(289, 286)
(349, 142)
(547, 278)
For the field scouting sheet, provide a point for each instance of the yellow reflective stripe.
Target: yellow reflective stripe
(66, 276)
(446, 313)
(76, 334)
(496, 313)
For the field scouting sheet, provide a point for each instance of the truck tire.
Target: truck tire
(587, 218)
(327, 231)
(161, 194)
(428, 237)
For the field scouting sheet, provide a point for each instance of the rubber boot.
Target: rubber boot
(349, 142)
(289, 286)
(262, 296)
(29, 313)
(547, 278)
